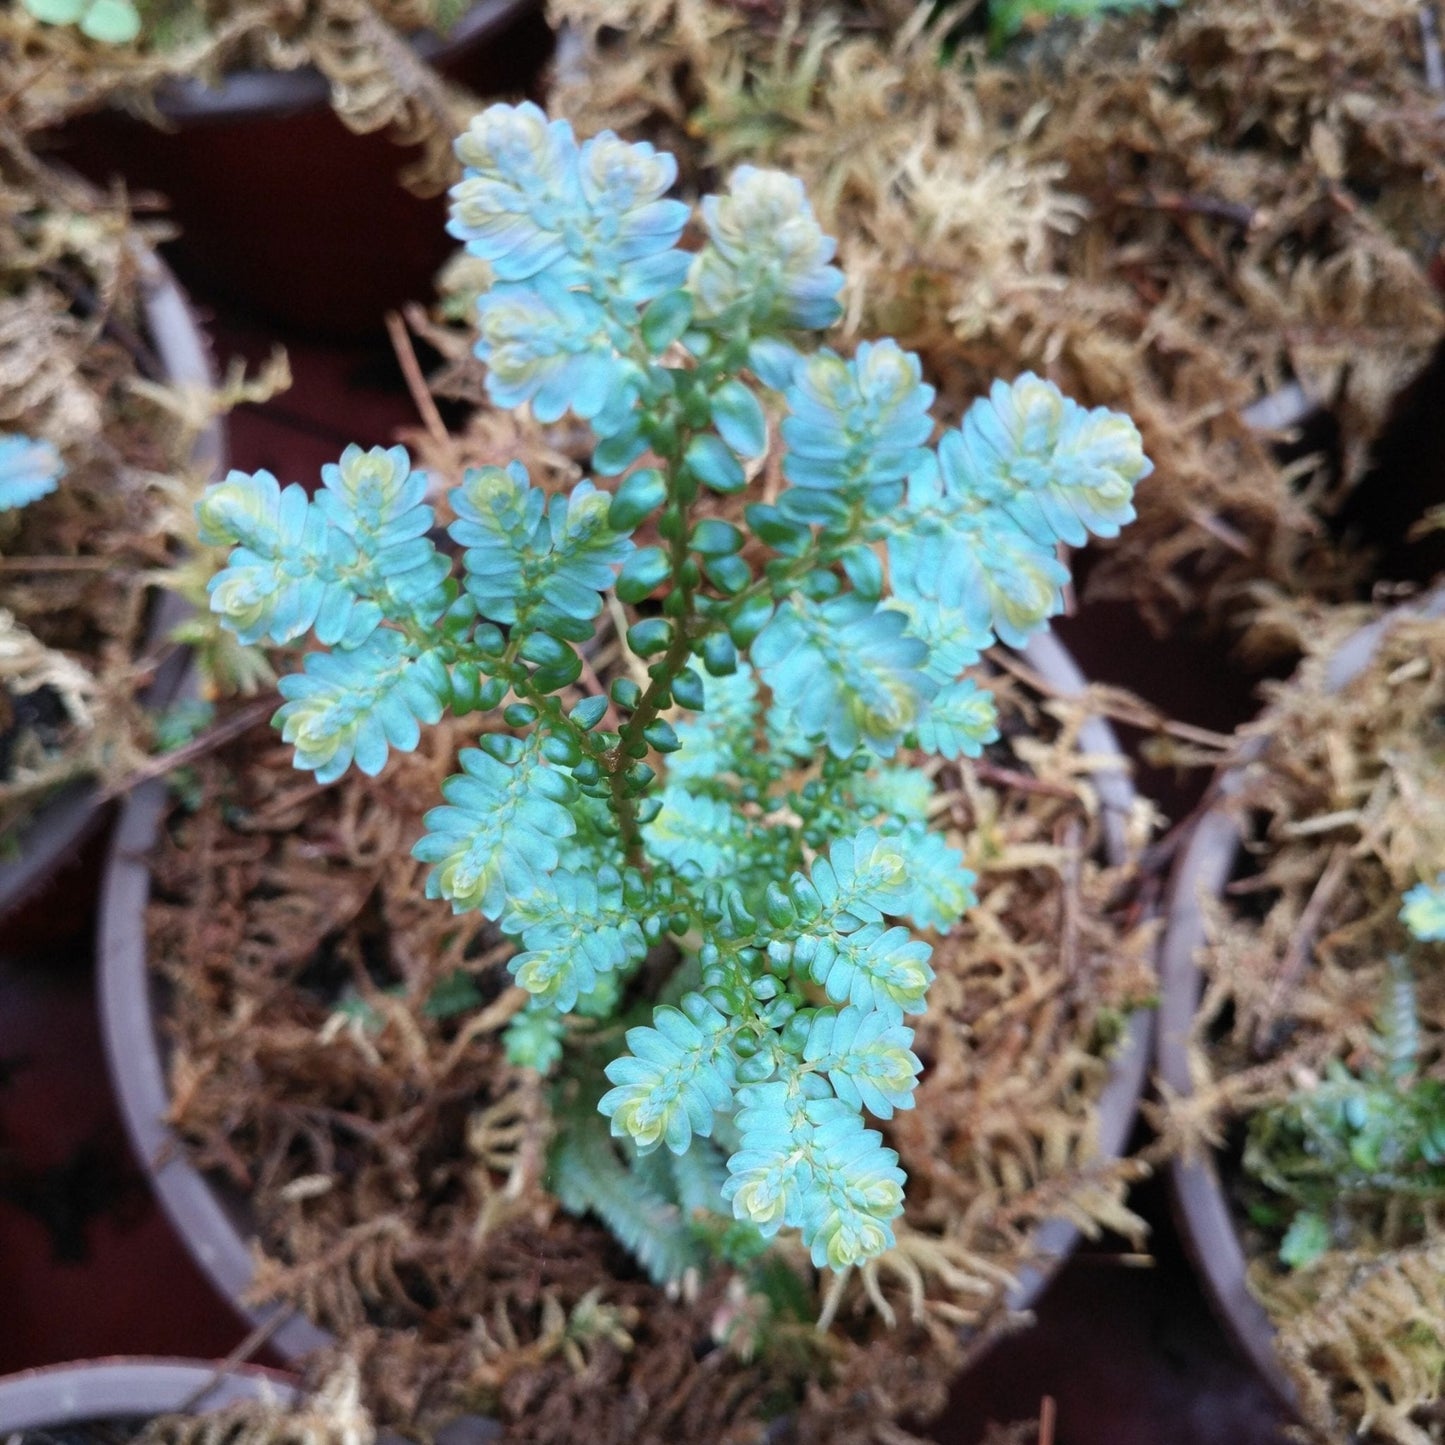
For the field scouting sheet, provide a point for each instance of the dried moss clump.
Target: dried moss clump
(78, 367)
(395, 1163)
(1172, 215)
(377, 80)
(1351, 808)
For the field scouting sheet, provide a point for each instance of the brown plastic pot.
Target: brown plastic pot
(128, 1388)
(285, 215)
(73, 813)
(1206, 1219)
(211, 1217)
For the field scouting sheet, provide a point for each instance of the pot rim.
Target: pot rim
(256, 94)
(1201, 1205)
(131, 1386)
(219, 1239)
(67, 817)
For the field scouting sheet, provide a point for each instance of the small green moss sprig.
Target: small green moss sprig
(1373, 1134)
(746, 803)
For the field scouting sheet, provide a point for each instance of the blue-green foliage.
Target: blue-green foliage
(29, 470)
(1423, 911)
(743, 799)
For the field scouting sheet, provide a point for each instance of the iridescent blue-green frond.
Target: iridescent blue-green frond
(766, 264)
(675, 1077)
(531, 202)
(533, 1039)
(839, 939)
(375, 500)
(958, 554)
(936, 890)
(721, 738)
(854, 431)
(519, 186)
(574, 929)
(900, 793)
(354, 705)
(630, 1198)
(960, 721)
(1058, 470)
(283, 574)
(807, 1160)
(532, 563)
(698, 830)
(553, 348)
(498, 834)
(29, 470)
(955, 639)
(845, 671)
(1423, 911)
(867, 1058)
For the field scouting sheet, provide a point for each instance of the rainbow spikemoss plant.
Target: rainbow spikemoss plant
(738, 787)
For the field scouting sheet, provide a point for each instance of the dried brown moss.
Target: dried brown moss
(395, 1162)
(378, 80)
(1173, 216)
(78, 368)
(1349, 799)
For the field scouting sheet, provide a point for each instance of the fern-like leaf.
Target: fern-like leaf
(531, 564)
(679, 1073)
(766, 263)
(1059, 471)
(354, 705)
(960, 721)
(574, 931)
(698, 831)
(839, 939)
(807, 1160)
(867, 1058)
(845, 672)
(496, 840)
(854, 431)
(588, 1176)
(374, 499)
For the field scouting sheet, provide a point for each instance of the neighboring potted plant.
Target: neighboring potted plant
(709, 987)
(1300, 1027)
(106, 430)
(231, 123)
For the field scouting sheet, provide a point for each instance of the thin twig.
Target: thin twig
(243, 1352)
(1018, 782)
(198, 747)
(1184, 203)
(421, 396)
(1300, 942)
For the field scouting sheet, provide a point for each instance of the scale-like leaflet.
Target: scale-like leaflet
(807, 1160)
(845, 671)
(495, 841)
(677, 1075)
(342, 564)
(534, 564)
(355, 704)
(573, 930)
